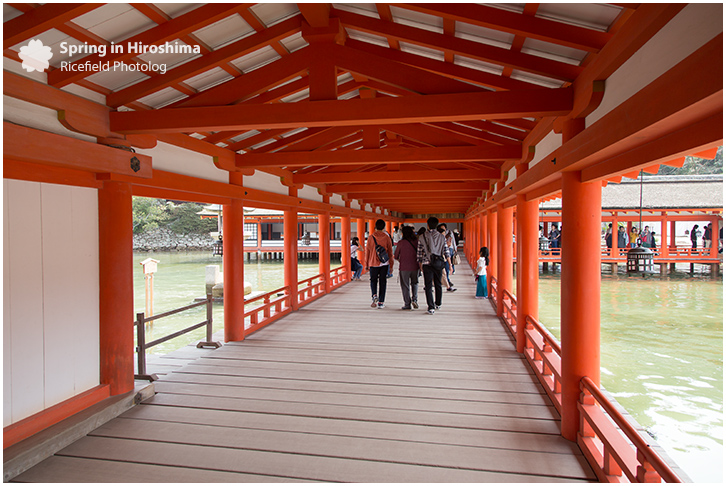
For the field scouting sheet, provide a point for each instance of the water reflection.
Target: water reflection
(662, 359)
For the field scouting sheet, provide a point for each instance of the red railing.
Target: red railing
(616, 451)
(338, 276)
(493, 293)
(509, 305)
(310, 289)
(274, 305)
(674, 254)
(543, 352)
(277, 303)
(613, 446)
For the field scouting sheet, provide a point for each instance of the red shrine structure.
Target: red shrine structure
(471, 112)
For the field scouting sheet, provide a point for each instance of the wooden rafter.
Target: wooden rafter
(432, 108)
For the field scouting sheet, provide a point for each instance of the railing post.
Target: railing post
(141, 343)
(210, 319)
(646, 473)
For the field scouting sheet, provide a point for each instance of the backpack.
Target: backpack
(381, 252)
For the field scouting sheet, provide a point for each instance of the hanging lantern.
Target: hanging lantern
(217, 247)
(640, 260)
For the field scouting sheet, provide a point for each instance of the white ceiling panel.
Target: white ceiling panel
(556, 52)
(478, 65)
(366, 9)
(419, 20)
(294, 42)
(536, 79)
(422, 51)
(10, 13)
(256, 59)
(162, 98)
(224, 31)
(174, 10)
(366, 37)
(208, 78)
(484, 35)
(589, 15)
(273, 13)
(116, 79)
(114, 21)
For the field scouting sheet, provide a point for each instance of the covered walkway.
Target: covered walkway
(341, 392)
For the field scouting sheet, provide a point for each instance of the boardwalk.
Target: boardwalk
(341, 392)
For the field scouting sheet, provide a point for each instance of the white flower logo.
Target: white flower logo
(35, 56)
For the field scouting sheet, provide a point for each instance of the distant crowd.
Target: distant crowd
(430, 252)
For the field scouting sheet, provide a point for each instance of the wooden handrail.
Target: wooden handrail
(645, 455)
(142, 345)
(546, 335)
(622, 448)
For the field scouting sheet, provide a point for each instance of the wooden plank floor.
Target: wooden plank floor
(339, 391)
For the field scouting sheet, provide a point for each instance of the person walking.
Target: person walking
(445, 276)
(355, 264)
(481, 273)
(622, 238)
(377, 262)
(408, 268)
(694, 236)
(707, 236)
(431, 255)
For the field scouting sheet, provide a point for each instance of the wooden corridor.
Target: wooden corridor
(341, 392)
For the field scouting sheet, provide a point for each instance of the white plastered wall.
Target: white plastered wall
(693, 27)
(50, 295)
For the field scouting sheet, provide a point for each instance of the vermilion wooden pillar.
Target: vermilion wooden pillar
(504, 255)
(290, 257)
(527, 264)
(493, 249)
(389, 227)
(361, 226)
(324, 248)
(483, 220)
(233, 264)
(116, 297)
(345, 245)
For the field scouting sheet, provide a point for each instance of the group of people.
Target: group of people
(708, 237)
(624, 240)
(431, 252)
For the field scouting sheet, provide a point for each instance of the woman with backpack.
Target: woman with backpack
(379, 250)
(408, 268)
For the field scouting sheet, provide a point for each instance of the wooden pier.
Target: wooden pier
(339, 391)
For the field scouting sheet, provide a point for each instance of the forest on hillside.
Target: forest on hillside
(695, 166)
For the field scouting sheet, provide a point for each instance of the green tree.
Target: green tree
(148, 214)
(695, 166)
(183, 219)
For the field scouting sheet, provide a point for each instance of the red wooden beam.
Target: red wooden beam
(398, 176)
(449, 70)
(41, 19)
(407, 188)
(517, 24)
(379, 156)
(432, 108)
(475, 50)
(253, 83)
(31, 145)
